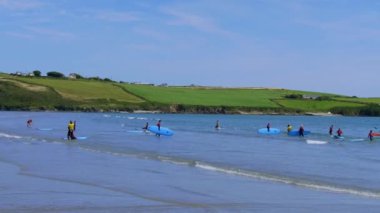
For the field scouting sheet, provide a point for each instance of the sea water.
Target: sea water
(121, 168)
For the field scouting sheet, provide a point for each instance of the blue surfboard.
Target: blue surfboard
(272, 131)
(338, 137)
(78, 138)
(297, 133)
(162, 131)
(45, 129)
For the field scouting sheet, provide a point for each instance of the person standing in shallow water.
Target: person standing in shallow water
(29, 123)
(301, 131)
(217, 125)
(289, 128)
(339, 132)
(268, 127)
(370, 135)
(70, 131)
(159, 125)
(146, 126)
(331, 129)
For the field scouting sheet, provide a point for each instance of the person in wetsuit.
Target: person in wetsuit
(146, 126)
(217, 125)
(301, 131)
(339, 132)
(29, 123)
(370, 135)
(331, 129)
(159, 127)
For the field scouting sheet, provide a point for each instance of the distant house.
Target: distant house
(313, 97)
(141, 83)
(163, 85)
(72, 76)
(30, 74)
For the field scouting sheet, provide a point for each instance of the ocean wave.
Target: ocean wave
(5, 135)
(316, 142)
(322, 186)
(289, 181)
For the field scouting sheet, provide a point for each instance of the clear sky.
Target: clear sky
(318, 45)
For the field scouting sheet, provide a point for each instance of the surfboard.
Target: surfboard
(272, 131)
(357, 139)
(163, 130)
(78, 138)
(338, 137)
(296, 133)
(315, 142)
(376, 134)
(45, 129)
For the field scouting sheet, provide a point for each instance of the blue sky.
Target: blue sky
(318, 45)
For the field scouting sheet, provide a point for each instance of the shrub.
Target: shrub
(294, 96)
(37, 73)
(55, 74)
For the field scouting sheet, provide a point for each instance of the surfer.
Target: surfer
(159, 128)
(268, 127)
(331, 130)
(370, 135)
(217, 125)
(339, 132)
(159, 125)
(289, 128)
(301, 131)
(29, 123)
(70, 131)
(146, 126)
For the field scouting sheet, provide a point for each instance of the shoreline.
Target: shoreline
(238, 112)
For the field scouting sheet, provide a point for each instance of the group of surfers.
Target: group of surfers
(145, 128)
(301, 130)
(72, 126)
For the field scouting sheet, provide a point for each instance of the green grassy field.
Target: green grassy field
(81, 90)
(210, 96)
(316, 106)
(361, 100)
(93, 95)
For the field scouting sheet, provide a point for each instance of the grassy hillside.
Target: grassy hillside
(361, 100)
(316, 106)
(92, 95)
(84, 89)
(211, 96)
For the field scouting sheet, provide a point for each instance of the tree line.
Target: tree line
(56, 74)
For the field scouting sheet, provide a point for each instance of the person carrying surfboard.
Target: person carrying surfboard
(289, 128)
(70, 131)
(159, 128)
(370, 135)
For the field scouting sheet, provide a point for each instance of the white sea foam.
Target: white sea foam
(286, 180)
(4, 135)
(315, 142)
